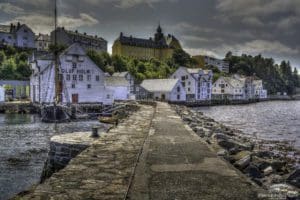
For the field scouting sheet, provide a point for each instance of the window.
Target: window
(108, 96)
(97, 78)
(89, 77)
(74, 65)
(80, 77)
(183, 78)
(178, 97)
(25, 38)
(89, 86)
(88, 71)
(73, 86)
(68, 77)
(189, 89)
(189, 82)
(74, 77)
(178, 89)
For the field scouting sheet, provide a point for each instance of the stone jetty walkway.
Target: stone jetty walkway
(174, 163)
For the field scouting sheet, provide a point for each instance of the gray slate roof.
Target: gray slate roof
(120, 74)
(159, 85)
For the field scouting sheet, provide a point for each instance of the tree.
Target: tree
(119, 63)
(97, 59)
(181, 58)
(2, 56)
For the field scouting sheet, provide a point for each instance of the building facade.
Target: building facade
(120, 87)
(260, 92)
(238, 87)
(42, 42)
(88, 42)
(170, 90)
(203, 61)
(197, 83)
(228, 88)
(129, 78)
(80, 79)
(2, 94)
(160, 47)
(19, 35)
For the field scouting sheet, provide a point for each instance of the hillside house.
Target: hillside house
(196, 82)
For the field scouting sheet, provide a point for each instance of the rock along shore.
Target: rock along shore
(270, 164)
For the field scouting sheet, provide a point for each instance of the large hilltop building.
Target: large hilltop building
(19, 35)
(88, 42)
(160, 47)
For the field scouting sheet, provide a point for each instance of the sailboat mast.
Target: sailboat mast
(57, 86)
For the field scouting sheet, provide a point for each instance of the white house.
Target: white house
(80, 79)
(2, 94)
(17, 35)
(128, 77)
(120, 87)
(196, 81)
(228, 88)
(260, 92)
(162, 89)
(42, 42)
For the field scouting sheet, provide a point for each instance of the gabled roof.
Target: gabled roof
(74, 49)
(43, 37)
(234, 82)
(159, 85)
(116, 81)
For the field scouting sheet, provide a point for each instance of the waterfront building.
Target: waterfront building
(260, 92)
(2, 94)
(162, 90)
(228, 88)
(160, 46)
(203, 61)
(15, 89)
(80, 79)
(88, 42)
(42, 42)
(128, 77)
(120, 87)
(196, 82)
(19, 35)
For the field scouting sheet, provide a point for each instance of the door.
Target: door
(74, 98)
(163, 97)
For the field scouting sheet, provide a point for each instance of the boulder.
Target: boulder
(230, 144)
(294, 178)
(243, 162)
(222, 153)
(267, 171)
(253, 172)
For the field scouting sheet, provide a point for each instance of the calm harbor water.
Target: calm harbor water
(272, 120)
(24, 144)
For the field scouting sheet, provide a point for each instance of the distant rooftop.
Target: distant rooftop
(159, 85)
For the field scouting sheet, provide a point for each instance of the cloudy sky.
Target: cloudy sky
(213, 27)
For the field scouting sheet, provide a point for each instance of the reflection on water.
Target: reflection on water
(24, 143)
(275, 120)
(9, 119)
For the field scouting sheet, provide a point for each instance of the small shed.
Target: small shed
(163, 90)
(2, 94)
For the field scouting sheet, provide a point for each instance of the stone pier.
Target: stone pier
(151, 155)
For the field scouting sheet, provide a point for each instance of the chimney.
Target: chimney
(76, 31)
(96, 36)
(121, 34)
(84, 33)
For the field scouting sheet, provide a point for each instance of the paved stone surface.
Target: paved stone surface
(177, 164)
(103, 170)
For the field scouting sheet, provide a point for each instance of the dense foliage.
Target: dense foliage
(14, 64)
(141, 69)
(277, 78)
